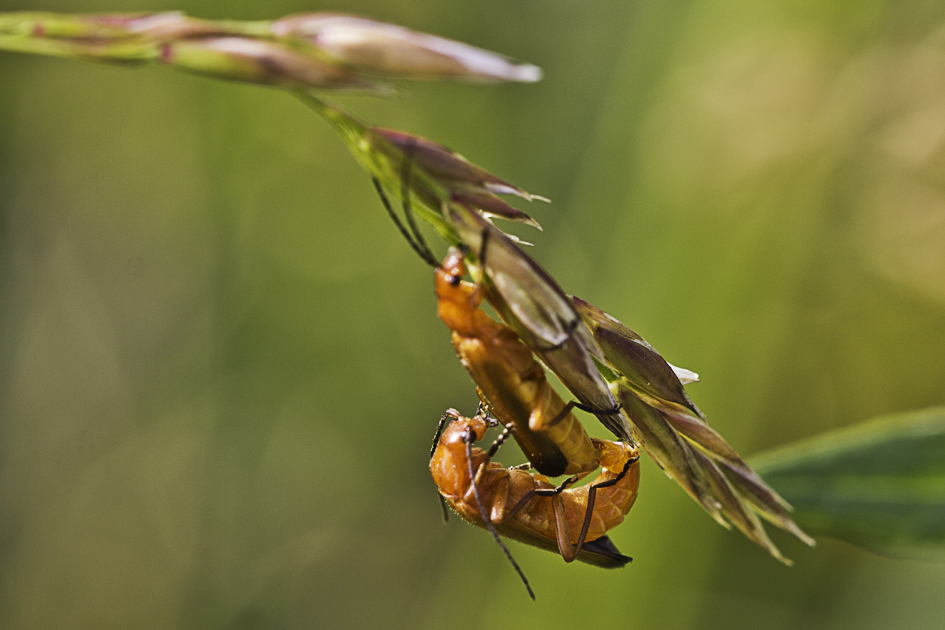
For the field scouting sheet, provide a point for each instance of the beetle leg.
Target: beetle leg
(500, 500)
(479, 288)
(563, 531)
(576, 405)
(485, 407)
(569, 329)
(591, 500)
(541, 492)
(483, 243)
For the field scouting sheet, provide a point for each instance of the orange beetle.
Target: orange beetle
(525, 506)
(510, 380)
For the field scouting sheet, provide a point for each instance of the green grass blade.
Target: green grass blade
(879, 484)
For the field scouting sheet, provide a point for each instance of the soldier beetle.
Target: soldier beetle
(525, 506)
(509, 378)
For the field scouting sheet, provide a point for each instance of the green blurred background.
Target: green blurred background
(221, 366)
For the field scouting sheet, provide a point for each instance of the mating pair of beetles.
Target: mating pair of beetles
(515, 393)
(516, 396)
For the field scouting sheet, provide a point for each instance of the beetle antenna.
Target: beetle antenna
(468, 438)
(444, 420)
(405, 172)
(425, 255)
(448, 415)
(499, 441)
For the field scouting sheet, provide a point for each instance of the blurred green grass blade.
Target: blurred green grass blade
(879, 484)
